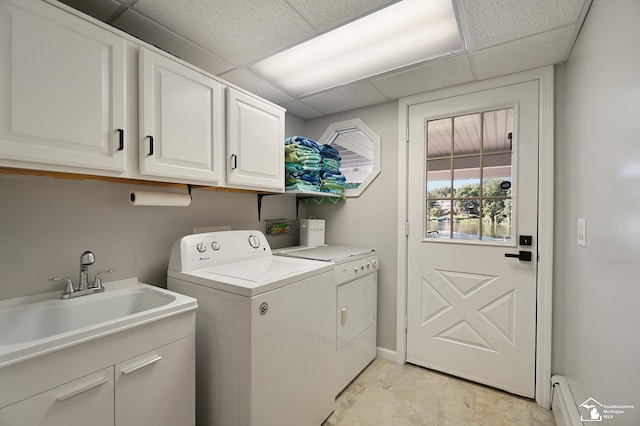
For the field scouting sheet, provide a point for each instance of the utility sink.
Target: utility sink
(36, 325)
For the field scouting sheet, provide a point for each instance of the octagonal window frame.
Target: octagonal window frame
(333, 133)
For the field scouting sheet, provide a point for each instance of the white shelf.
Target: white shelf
(303, 193)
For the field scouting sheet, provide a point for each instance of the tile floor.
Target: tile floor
(389, 394)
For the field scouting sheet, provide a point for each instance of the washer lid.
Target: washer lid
(256, 276)
(267, 269)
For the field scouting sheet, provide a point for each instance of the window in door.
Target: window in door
(469, 177)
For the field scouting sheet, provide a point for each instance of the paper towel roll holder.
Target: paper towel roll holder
(132, 195)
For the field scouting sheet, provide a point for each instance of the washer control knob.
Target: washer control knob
(215, 246)
(368, 266)
(254, 241)
(355, 269)
(201, 247)
(362, 267)
(374, 263)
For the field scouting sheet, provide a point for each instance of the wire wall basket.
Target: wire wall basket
(279, 227)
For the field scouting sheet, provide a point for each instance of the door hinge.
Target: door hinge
(407, 135)
(406, 228)
(406, 322)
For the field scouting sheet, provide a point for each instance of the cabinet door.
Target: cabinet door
(181, 121)
(85, 401)
(255, 143)
(62, 90)
(157, 388)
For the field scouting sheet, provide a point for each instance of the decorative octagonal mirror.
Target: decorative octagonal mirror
(359, 147)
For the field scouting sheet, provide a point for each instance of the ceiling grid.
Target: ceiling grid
(226, 37)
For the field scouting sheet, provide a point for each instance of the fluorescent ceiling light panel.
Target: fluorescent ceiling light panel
(405, 33)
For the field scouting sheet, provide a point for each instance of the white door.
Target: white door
(181, 121)
(473, 183)
(255, 143)
(62, 90)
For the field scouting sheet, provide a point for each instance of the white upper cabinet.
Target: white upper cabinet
(255, 143)
(68, 103)
(181, 121)
(62, 91)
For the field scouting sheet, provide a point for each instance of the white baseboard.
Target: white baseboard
(563, 405)
(386, 354)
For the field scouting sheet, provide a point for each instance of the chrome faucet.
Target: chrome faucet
(86, 259)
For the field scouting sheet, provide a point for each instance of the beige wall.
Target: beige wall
(596, 315)
(45, 224)
(370, 220)
(295, 126)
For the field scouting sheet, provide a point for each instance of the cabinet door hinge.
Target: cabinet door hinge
(406, 228)
(407, 135)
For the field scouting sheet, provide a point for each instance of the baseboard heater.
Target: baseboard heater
(563, 405)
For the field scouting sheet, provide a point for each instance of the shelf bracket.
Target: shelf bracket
(260, 197)
(298, 199)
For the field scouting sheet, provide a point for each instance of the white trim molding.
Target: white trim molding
(386, 354)
(545, 77)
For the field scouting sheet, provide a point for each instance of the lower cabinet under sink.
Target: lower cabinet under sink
(143, 375)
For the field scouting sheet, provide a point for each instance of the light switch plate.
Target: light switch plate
(582, 232)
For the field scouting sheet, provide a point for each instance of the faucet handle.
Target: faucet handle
(68, 288)
(97, 283)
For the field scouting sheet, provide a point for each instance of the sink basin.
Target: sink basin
(35, 325)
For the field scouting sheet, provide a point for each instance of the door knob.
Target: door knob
(522, 255)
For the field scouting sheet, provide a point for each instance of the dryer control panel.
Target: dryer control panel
(363, 266)
(199, 251)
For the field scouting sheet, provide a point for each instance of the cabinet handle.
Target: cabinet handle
(150, 145)
(234, 161)
(84, 388)
(143, 364)
(120, 139)
(343, 316)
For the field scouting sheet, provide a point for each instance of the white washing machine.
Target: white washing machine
(355, 305)
(264, 338)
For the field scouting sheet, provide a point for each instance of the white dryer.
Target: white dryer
(356, 280)
(263, 338)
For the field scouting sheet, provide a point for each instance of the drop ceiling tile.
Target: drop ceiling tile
(99, 9)
(255, 84)
(149, 31)
(532, 52)
(351, 96)
(491, 22)
(423, 78)
(301, 110)
(238, 31)
(323, 15)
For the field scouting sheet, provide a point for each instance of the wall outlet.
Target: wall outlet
(582, 232)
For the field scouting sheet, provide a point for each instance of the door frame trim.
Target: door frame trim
(545, 78)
